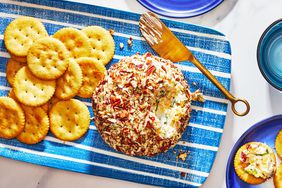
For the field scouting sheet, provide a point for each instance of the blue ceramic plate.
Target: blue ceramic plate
(264, 131)
(180, 8)
(269, 54)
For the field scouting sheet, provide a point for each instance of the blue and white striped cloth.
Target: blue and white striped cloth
(90, 154)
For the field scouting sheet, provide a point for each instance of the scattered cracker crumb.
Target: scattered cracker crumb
(130, 41)
(183, 174)
(198, 96)
(121, 45)
(111, 31)
(182, 155)
(92, 118)
(194, 84)
(174, 152)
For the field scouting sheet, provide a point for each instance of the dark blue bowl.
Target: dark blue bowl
(180, 8)
(269, 54)
(264, 131)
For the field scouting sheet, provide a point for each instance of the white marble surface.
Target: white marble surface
(243, 21)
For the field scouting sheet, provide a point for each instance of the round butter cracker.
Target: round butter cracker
(69, 84)
(45, 107)
(69, 120)
(12, 118)
(52, 102)
(36, 125)
(47, 58)
(93, 72)
(11, 69)
(75, 41)
(12, 95)
(278, 144)
(32, 91)
(278, 177)
(21, 33)
(239, 167)
(101, 42)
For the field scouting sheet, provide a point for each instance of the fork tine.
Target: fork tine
(151, 28)
(161, 39)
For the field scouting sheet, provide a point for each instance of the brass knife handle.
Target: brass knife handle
(228, 95)
(233, 102)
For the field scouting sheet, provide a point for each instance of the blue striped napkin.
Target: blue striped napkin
(90, 154)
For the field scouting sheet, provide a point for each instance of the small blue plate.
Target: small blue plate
(269, 54)
(180, 8)
(264, 131)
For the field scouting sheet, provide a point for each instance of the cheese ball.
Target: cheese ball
(142, 106)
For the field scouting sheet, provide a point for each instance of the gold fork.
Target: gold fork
(168, 46)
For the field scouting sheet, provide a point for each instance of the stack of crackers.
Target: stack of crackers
(45, 73)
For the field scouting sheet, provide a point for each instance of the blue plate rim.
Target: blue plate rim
(190, 15)
(262, 37)
(234, 149)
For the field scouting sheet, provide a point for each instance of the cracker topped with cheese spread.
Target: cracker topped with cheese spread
(142, 106)
(255, 162)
